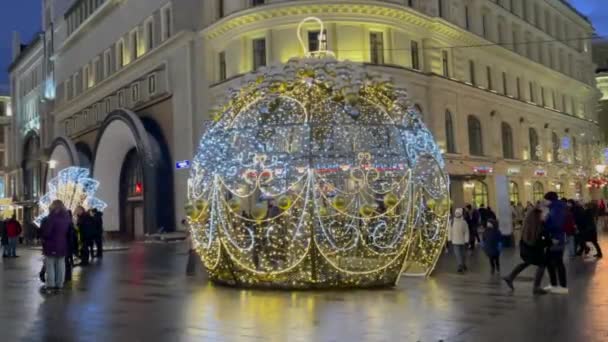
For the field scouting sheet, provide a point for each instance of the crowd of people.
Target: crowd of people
(65, 238)
(548, 230)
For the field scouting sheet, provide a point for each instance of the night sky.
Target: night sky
(24, 16)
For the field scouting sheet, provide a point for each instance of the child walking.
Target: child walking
(491, 244)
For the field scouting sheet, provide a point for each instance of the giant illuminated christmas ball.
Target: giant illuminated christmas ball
(317, 174)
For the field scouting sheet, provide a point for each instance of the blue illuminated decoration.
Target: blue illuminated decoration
(74, 188)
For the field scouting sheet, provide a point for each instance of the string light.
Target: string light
(74, 188)
(317, 173)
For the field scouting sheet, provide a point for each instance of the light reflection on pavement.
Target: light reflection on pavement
(143, 295)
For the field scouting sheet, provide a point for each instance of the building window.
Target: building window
(480, 193)
(532, 97)
(415, 55)
(467, 18)
(167, 22)
(524, 10)
(259, 53)
(484, 25)
(555, 145)
(376, 46)
(257, 2)
(445, 63)
(449, 133)
(574, 150)
(507, 141)
(501, 36)
(538, 192)
(489, 75)
(134, 44)
(152, 85)
(505, 85)
(222, 66)
(518, 83)
(120, 54)
(85, 76)
(317, 41)
(513, 192)
(542, 96)
(135, 93)
(150, 34)
(442, 9)
(107, 63)
(475, 137)
(534, 147)
(553, 99)
(220, 8)
(472, 72)
(132, 175)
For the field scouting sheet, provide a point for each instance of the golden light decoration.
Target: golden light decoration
(336, 178)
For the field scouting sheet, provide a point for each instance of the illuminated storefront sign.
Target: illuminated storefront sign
(484, 170)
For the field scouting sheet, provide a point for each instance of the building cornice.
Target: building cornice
(370, 11)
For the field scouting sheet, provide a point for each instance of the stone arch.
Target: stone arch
(122, 131)
(63, 153)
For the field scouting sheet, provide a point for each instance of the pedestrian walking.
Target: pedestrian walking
(98, 237)
(554, 227)
(590, 230)
(458, 235)
(531, 250)
(54, 232)
(491, 244)
(472, 218)
(4, 239)
(570, 229)
(86, 228)
(13, 232)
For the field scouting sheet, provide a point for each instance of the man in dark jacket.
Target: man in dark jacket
(4, 239)
(98, 238)
(554, 227)
(86, 227)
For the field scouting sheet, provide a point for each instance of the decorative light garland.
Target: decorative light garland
(74, 188)
(317, 174)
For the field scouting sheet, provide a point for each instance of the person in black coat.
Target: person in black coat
(98, 237)
(4, 238)
(86, 227)
(589, 232)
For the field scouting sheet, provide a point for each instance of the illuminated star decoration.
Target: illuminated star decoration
(317, 174)
(74, 188)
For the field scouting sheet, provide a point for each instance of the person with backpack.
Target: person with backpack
(13, 232)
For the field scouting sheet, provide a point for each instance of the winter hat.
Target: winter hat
(458, 212)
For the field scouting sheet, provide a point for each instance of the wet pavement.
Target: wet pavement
(142, 294)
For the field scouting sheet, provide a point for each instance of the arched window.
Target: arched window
(555, 143)
(449, 133)
(574, 149)
(559, 189)
(507, 141)
(475, 138)
(578, 190)
(480, 193)
(514, 192)
(538, 192)
(533, 144)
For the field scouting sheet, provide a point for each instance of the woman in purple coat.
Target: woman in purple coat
(54, 231)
